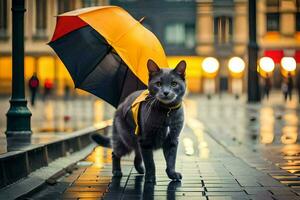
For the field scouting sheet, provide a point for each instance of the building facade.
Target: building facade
(172, 21)
(39, 26)
(222, 32)
(188, 29)
(278, 32)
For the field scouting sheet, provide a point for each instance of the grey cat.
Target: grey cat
(160, 121)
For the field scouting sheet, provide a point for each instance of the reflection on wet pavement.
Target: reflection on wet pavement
(72, 115)
(59, 115)
(267, 123)
(206, 159)
(270, 129)
(249, 124)
(93, 179)
(20, 144)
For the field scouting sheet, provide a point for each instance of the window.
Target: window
(272, 21)
(223, 29)
(298, 21)
(273, 15)
(175, 34)
(3, 19)
(190, 35)
(298, 16)
(65, 5)
(89, 3)
(41, 17)
(180, 34)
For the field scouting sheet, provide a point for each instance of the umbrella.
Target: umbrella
(105, 51)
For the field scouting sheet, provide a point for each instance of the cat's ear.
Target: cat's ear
(180, 68)
(152, 67)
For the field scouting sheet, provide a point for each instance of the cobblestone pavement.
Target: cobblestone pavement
(265, 135)
(223, 154)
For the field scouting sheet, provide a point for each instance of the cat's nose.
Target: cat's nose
(166, 93)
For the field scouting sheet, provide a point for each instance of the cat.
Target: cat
(160, 120)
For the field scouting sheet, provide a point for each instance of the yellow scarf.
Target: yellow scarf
(135, 106)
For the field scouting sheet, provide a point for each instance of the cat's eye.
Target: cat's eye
(174, 84)
(158, 84)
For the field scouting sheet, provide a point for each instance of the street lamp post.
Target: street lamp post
(18, 115)
(253, 79)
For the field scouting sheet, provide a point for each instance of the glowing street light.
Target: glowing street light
(236, 65)
(210, 65)
(289, 64)
(267, 64)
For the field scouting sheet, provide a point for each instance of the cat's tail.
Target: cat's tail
(102, 140)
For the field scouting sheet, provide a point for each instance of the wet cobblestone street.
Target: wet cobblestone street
(223, 154)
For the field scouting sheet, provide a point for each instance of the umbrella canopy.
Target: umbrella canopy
(106, 51)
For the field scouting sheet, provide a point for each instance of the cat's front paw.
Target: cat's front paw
(174, 175)
(150, 179)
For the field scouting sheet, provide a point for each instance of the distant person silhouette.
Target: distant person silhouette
(298, 85)
(48, 85)
(267, 86)
(33, 86)
(284, 88)
(290, 86)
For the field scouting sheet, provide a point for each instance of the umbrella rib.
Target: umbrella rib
(78, 85)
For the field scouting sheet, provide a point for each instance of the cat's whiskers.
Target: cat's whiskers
(149, 101)
(148, 109)
(152, 100)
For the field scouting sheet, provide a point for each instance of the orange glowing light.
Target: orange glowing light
(236, 65)
(210, 67)
(288, 63)
(267, 64)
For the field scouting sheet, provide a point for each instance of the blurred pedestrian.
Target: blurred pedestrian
(284, 89)
(48, 85)
(290, 85)
(298, 85)
(33, 86)
(267, 86)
